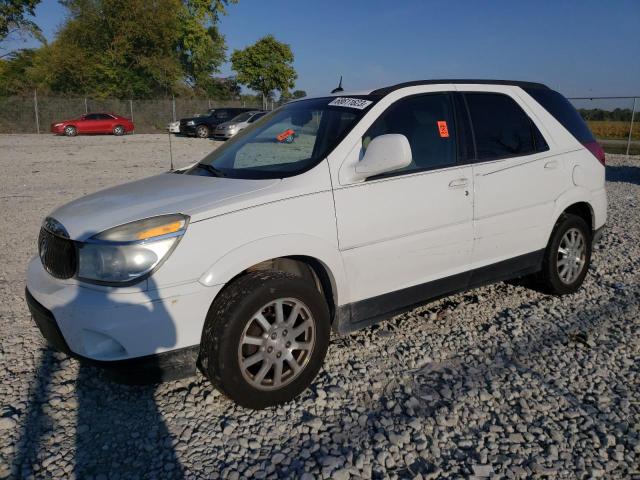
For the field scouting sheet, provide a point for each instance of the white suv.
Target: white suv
(329, 213)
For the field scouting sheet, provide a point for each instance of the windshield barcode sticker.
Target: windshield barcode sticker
(358, 103)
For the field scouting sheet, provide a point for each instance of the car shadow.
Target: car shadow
(623, 173)
(119, 430)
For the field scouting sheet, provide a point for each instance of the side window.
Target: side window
(501, 128)
(221, 114)
(91, 116)
(428, 123)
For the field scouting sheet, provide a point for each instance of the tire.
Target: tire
(70, 131)
(233, 317)
(565, 264)
(118, 130)
(202, 131)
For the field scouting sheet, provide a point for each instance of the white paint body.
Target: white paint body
(371, 237)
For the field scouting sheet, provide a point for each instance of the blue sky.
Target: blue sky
(578, 47)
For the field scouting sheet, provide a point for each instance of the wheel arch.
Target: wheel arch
(308, 257)
(576, 202)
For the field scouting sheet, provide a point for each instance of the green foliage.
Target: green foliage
(201, 49)
(128, 49)
(12, 18)
(299, 94)
(265, 66)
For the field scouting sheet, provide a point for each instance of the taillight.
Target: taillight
(595, 148)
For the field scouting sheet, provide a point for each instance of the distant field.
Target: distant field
(613, 130)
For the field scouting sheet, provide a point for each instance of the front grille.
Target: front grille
(57, 254)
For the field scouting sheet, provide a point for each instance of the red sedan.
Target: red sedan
(94, 123)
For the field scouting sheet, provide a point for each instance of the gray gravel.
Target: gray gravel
(501, 382)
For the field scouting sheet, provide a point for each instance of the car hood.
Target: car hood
(188, 119)
(199, 197)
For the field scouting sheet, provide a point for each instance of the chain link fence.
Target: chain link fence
(35, 114)
(613, 120)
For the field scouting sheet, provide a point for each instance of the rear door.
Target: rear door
(516, 176)
(402, 231)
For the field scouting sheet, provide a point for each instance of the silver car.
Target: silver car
(228, 129)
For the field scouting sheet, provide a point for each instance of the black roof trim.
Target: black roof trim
(387, 90)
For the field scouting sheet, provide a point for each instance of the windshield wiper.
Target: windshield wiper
(211, 169)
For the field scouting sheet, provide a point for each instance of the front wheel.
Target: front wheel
(567, 256)
(202, 131)
(265, 338)
(70, 131)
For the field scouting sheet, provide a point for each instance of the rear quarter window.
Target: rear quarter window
(562, 110)
(501, 128)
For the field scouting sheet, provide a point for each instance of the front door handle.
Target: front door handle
(553, 164)
(458, 183)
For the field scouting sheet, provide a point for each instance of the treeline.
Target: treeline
(597, 114)
(144, 49)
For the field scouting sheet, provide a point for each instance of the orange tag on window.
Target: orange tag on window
(442, 128)
(284, 135)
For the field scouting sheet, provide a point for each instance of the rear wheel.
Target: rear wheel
(70, 131)
(265, 338)
(567, 256)
(202, 131)
(118, 130)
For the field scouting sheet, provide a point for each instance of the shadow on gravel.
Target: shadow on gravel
(623, 173)
(120, 433)
(37, 423)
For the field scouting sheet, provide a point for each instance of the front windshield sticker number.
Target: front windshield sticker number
(358, 103)
(287, 136)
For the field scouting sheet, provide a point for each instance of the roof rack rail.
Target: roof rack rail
(387, 90)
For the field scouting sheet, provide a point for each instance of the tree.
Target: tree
(129, 48)
(299, 94)
(201, 47)
(265, 66)
(13, 19)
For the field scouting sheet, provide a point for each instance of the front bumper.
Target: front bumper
(187, 129)
(223, 135)
(155, 333)
(156, 368)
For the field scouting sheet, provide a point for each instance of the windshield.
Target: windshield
(287, 141)
(243, 117)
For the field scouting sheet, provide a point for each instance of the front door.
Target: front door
(408, 235)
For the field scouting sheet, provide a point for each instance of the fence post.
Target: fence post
(131, 108)
(86, 106)
(35, 108)
(633, 114)
(173, 108)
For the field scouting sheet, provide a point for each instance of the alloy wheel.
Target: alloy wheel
(276, 344)
(572, 254)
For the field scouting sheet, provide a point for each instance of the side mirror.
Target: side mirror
(385, 153)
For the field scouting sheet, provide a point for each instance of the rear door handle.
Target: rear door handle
(551, 165)
(458, 183)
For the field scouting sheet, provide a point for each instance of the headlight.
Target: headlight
(128, 252)
(58, 125)
(191, 122)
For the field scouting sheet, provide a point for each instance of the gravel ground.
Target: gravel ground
(501, 382)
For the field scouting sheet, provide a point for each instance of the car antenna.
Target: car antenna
(170, 153)
(339, 87)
